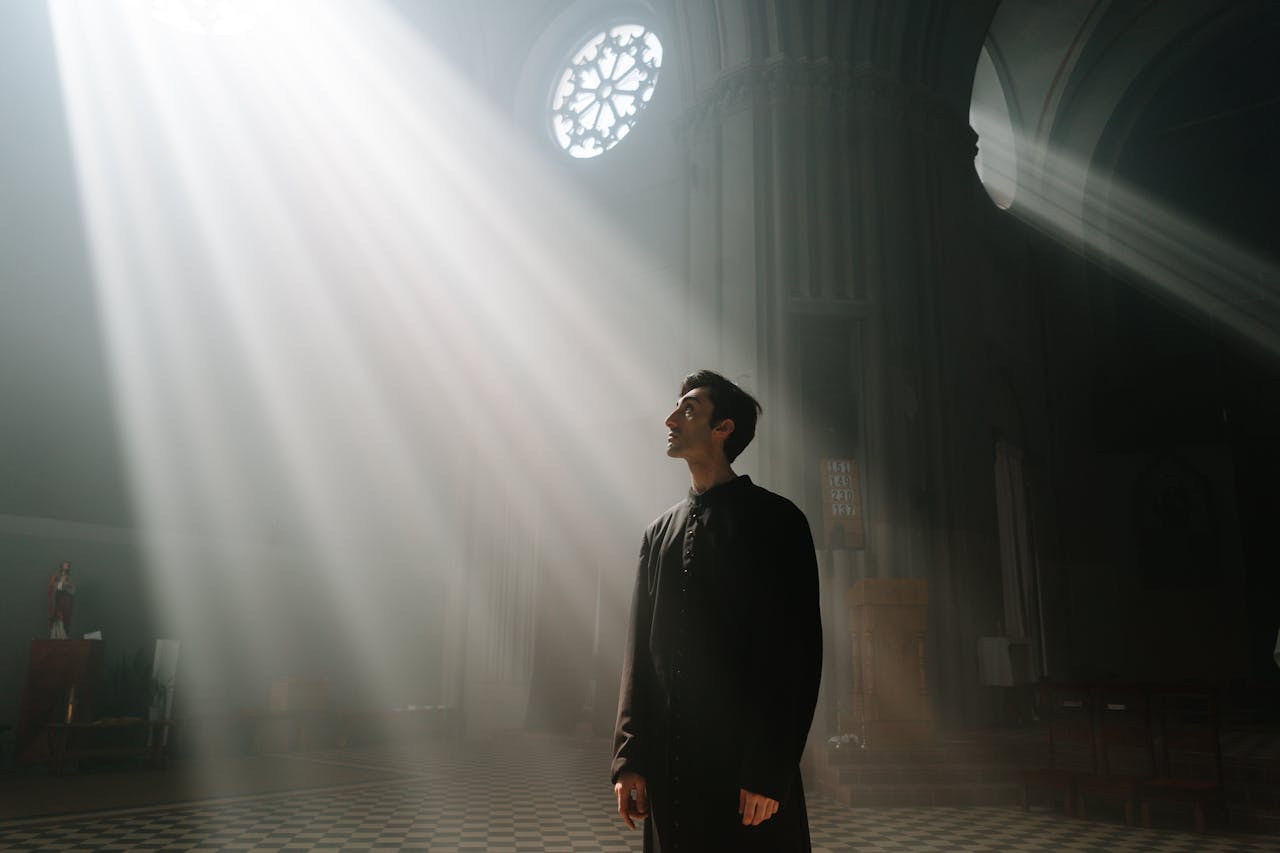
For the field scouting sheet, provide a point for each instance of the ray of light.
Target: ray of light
(1142, 238)
(345, 306)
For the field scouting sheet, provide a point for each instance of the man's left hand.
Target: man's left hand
(755, 808)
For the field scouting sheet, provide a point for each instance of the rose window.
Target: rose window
(604, 88)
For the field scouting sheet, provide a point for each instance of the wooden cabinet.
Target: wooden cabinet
(888, 621)
(56, 668)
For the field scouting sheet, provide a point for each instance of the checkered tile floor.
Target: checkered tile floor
(531, 796)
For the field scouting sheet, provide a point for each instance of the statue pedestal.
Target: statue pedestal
(54, 667)
(888, 623)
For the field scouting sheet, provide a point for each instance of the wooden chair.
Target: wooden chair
(1067, 711)
(1126, 755)
(1188, 753)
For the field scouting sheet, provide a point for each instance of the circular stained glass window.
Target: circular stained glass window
(606, 85)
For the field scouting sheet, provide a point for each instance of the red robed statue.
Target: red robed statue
(62, 594)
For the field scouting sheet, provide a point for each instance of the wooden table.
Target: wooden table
(74, 741)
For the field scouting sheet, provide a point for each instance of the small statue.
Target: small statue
(62, 594)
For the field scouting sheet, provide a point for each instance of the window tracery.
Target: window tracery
(605, 86)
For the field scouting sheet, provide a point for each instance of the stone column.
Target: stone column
(831, 181)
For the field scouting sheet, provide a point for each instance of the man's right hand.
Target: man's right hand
(631, 809)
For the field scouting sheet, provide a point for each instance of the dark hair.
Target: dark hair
(727, 401)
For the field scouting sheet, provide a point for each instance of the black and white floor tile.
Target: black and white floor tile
(540, 796)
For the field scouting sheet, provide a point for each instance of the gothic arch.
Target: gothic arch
(1082, 73)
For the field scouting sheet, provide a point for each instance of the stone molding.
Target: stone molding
(839, 86)
(63, 530)
(69, 531)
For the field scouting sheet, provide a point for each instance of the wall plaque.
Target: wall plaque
(841, 505)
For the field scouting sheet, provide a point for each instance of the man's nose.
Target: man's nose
(670, 421)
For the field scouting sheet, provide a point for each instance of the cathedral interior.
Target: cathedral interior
(336, 340)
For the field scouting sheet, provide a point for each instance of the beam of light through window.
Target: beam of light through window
(1178, 258)
(354, 328)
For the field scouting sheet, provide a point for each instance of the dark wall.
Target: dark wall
(111, 596)
(62, 449)
(1167, 433)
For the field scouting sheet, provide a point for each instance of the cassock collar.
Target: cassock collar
(720, 493)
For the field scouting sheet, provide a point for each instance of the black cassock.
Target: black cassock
(721, 670)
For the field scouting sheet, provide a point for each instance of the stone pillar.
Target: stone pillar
(832, 182)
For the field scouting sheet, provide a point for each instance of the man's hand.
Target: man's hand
(631, 809)
(755, 808)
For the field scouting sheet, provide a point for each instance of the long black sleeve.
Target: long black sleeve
(786, 648)
(630, 731)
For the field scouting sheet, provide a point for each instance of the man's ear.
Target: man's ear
(723, 429)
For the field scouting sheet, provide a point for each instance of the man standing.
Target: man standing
(724, 649)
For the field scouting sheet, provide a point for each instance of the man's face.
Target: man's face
(689, 429)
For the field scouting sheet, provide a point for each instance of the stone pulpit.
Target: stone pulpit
(888, 623)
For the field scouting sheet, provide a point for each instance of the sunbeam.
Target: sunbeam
(360, 341)
(1182, 260)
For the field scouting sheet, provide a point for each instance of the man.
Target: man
(724, 649)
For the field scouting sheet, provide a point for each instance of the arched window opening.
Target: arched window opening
(997, 162)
